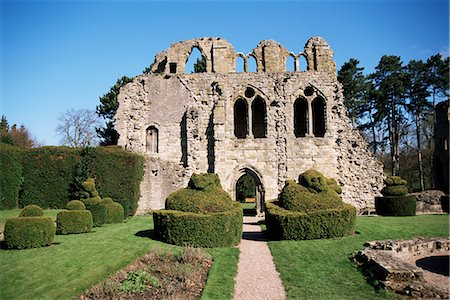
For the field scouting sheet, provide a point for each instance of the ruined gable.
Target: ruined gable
(270, 124)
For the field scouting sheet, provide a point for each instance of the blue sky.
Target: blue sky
(57, 55)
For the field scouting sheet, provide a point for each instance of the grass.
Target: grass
(76, 262)
(321, 269)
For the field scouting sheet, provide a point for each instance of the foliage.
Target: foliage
(83, 171)
(12, 135)
(204, 181)
(29, 232)
(74, 221)
(138, 281)
(115, 212)
(76, 128)
(11, 175)
(107, 110)
(48, 176)
(31, 211)
(294, 225)
(200, 65)
(395, 186)
(99, 212)
(219, 229)
(396, 205)
(245, 188)
(75, 205)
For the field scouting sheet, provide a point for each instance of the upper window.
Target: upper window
(258, 118)
(240, 118)
(319, 117)
(300, 117)
(152, 139)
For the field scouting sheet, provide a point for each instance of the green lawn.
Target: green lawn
(321, 269)
(76, 262)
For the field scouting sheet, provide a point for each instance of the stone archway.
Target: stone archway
(260, 189)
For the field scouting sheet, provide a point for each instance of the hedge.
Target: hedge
(291, 225)
(99, 213)
(11, 175)
(221, 229)
(74, 221)
(29, 232)
(395, 205)
(75, 205)
(46, 176)
(31, 211)
(115, 212)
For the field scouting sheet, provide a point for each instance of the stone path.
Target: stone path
(257, 277)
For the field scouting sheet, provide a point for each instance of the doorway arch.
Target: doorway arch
(259, 186)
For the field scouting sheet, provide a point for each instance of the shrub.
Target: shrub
(192, 200)
(204, 181)
(292, 225)
(220, 229)
(445, 201)
(29, 232)
(99, 213)
(313, 180)
(73, 221)
(115, 212)
(107, 200)
(11, 176)
(395, 205)
(75, 205)
(395, 186)
(31, 211)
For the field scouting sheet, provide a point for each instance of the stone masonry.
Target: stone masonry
(270, 124)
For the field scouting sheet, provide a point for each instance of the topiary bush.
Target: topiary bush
(115, 212)
(395, 202)
(99, 213)
(201, 215)
(31, 211)
(29, 232)
(310, 209)
(107, 200)
(74, 221)
(75, 205)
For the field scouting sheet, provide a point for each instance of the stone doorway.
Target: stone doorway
(254, 181)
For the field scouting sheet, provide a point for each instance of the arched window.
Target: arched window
(302, 63)
(290, 64)
(196, 62)
(300, 117)
(240, 64)
(251, 64)
(152, 139)
(259, 118)
(240, 118)
(319, 117)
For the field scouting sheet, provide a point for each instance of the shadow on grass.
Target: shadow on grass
(149, 233)
(249, 212)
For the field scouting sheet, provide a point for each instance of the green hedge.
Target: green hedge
(31, 211)
(11, 175)
(99, 213)
(115, 212)
(48, 175)
(29, 232)
(74, 221)
(291, 225)
(75, 205)
(395, 206)
(221, 229)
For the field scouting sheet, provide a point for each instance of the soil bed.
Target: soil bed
(157, 275)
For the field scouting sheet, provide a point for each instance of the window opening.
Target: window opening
(172, 68)
(240, 64)
(259, 118)
(240, 119)
(300, 117)
(249, 92)
(196, 62)
(318, 112)
(152, 139)
(251, 64)
(302, 63)
(290, 64)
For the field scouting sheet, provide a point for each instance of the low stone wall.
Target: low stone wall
(428, 202)
(386, 263)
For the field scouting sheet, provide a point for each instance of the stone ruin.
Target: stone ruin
(270, 124)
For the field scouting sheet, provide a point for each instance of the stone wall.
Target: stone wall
(193, 117)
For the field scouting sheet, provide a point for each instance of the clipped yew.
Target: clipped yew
(395, 201)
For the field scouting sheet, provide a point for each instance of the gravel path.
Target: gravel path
(257, 277)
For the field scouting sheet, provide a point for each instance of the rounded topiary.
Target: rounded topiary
(314, 181)
(204, 181)
(92, 201)
(29, 232)
(395, 186)
(191, 200)
(31, 211)
(332, 183)
(99, 212)
(75, 205)
(107, 200)
(115, 212)
(74, 221)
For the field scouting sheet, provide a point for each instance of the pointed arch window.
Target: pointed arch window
(300, 117)
(152, 136)
(319, 117)
(259, 125)
(240, 118)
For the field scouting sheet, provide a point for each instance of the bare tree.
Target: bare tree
(76, 128)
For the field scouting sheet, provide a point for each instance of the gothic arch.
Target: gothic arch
(240, 118)
(259, 182)
(300, 117)
(152, 139)
(319, 115)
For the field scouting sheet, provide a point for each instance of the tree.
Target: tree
(389, 81)
(15, 136)
(107, 110)
(77, 128)
(354, 84)
(200, 65)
